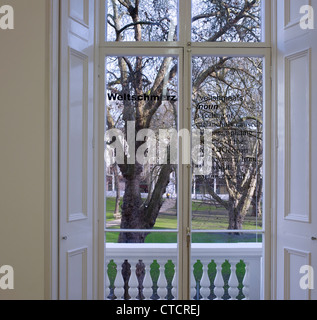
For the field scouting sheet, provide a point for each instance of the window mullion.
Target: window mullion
(184, 22)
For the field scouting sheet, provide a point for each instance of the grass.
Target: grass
(110, 206)
(204, 217)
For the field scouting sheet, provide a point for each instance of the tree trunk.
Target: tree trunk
(131, 211)
(137, 214)
(257, 199)
(235, 220)
(117, 187)
(235, 216)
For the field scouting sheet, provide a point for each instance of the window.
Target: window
(227, 21)
(142, 20)
(186, 116)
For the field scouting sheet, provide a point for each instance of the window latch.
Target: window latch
(188, 237)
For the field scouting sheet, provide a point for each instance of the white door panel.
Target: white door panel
(76, 151)
(297, 136)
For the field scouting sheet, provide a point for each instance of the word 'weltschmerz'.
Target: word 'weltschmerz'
(142, 97)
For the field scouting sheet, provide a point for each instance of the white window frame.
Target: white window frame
(259, 49)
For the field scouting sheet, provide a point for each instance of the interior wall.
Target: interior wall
(23, 101)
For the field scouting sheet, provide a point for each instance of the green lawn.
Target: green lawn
(110, 206)
(204, 218)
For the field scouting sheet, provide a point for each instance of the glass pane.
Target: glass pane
(227, 109)
(227, 112)
(151, 237)
(226, 237)
(141, 157)
(141, 170)
(226, 21)
(142, 20)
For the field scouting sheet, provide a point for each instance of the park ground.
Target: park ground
(204, 217)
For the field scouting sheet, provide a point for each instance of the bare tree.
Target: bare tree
(153, 20)
(236, 119)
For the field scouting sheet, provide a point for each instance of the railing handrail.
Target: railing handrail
(197, 249)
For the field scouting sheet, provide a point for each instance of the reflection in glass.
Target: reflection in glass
(226, 21)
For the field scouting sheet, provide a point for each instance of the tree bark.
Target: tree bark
(117, 188)
(235, 216)
(137, 214)
(132, 201)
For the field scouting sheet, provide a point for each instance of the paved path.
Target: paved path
(168, 205)
(113, 223)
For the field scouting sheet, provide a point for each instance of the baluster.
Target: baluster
(205, 281)
(174, 282)
(119, 283)
(107, 291)
(140, 272)
(219, 283)
(193, 284)
(233, 280)
(133, 281)
(162, 283)
(246, 282)
(147, 282)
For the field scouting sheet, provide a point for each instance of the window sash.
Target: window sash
(185, 34)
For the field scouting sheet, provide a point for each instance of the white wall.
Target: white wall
(23, 101)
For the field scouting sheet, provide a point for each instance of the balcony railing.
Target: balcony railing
(218, 271)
